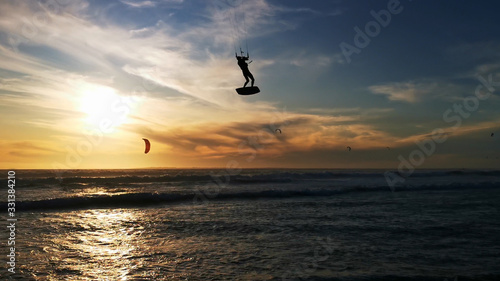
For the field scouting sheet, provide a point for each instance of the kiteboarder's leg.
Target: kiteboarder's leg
(251, 77)
(246, 77)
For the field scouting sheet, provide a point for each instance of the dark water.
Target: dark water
(255, 225)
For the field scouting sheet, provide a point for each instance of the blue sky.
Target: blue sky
(165, 70)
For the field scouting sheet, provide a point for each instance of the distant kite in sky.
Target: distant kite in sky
(148, 145)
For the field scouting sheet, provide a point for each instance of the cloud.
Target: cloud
(353, 115)
(482, 57)
(410, 92)
(477, 131)
(139, 4)
(148, 3)
(26, 149)
(305, 10)
(313, 61)
(296, 10)
(475, 52)
(244, 20)
(300, 133)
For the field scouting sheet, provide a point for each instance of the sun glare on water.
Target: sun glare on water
(104, 107)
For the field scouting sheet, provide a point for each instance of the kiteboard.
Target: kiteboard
(245, 91)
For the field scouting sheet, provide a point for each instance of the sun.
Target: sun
(103, 107)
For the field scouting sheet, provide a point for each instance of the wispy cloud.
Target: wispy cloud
(156, 55)
(410, 92)
(299, 133)
(306, 10)
(304, 60)
(139, 4)
(148, 3)
(25, 149)
(476, 131)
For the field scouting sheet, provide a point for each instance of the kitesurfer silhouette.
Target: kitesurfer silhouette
(244, 67)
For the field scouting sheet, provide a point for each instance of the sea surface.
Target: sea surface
(253, 224)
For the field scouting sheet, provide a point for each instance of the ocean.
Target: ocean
(250, 224)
